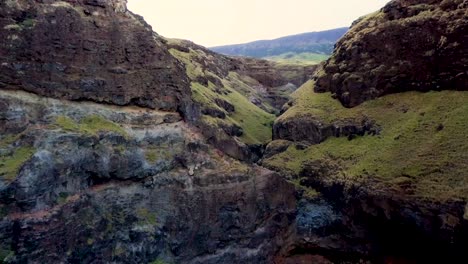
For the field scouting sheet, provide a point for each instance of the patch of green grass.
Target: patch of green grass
(424, 140)
(255, 121)
(67, 124)
(193, 69)
(120, 149)
(94, 124)
(148, 217)
(8, 139)
(62, 198)
(28, 23)
(152, 156)
(303, 58)
(118, 251)
(158, 261)
(307, 103)
(10, 165)
(308, 193)
(5, 253)
(91, 125)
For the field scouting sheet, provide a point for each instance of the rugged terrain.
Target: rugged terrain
(381, 132)
(421, 43)
(119, 145)
(306, 48)
(238, 97)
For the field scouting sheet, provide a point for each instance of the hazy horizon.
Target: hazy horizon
(215, 23)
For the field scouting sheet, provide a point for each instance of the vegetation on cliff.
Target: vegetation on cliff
(210, 89)
(420, 150)
(10, 164)
(91, 125)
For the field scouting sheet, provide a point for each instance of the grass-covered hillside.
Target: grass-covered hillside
(421, 149)
(225, 97)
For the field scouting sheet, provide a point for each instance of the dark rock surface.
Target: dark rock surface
(88, 50)
(130, 192)
(408, 45)
(316, 131)
(103, 157)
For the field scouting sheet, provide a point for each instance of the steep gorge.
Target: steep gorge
(119, 145)
(104, 155)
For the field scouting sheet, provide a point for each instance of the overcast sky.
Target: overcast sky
(219, 22)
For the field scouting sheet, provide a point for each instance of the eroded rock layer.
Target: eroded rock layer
(88, 50)
(88, 183)
(407, 45)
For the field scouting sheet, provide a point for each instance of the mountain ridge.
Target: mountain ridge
(320, 42)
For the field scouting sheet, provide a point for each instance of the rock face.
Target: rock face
(315, 131)
(88, 50)
(368, 150)
(408, 45)
(278, 80)
(237, 97)
(91, 183)
(102, 158)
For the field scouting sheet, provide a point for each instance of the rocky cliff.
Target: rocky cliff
(89, 183)
(407, 45)
(88, 50)
(381, 134)
(105, 153)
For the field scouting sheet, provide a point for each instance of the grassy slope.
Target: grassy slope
(305, 58)
(255, 122)
(423, 145)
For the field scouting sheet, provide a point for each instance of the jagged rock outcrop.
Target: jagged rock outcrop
(298, 125)
(88, 50)
(407, 45)
(315, 131)
(82, 182)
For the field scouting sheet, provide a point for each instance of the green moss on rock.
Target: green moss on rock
(254, 120)
(147, 216)
(10, 165)
(91, 125)
(423, 140)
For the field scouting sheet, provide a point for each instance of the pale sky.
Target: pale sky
(220, 22)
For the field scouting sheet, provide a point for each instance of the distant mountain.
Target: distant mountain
(313, 43)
